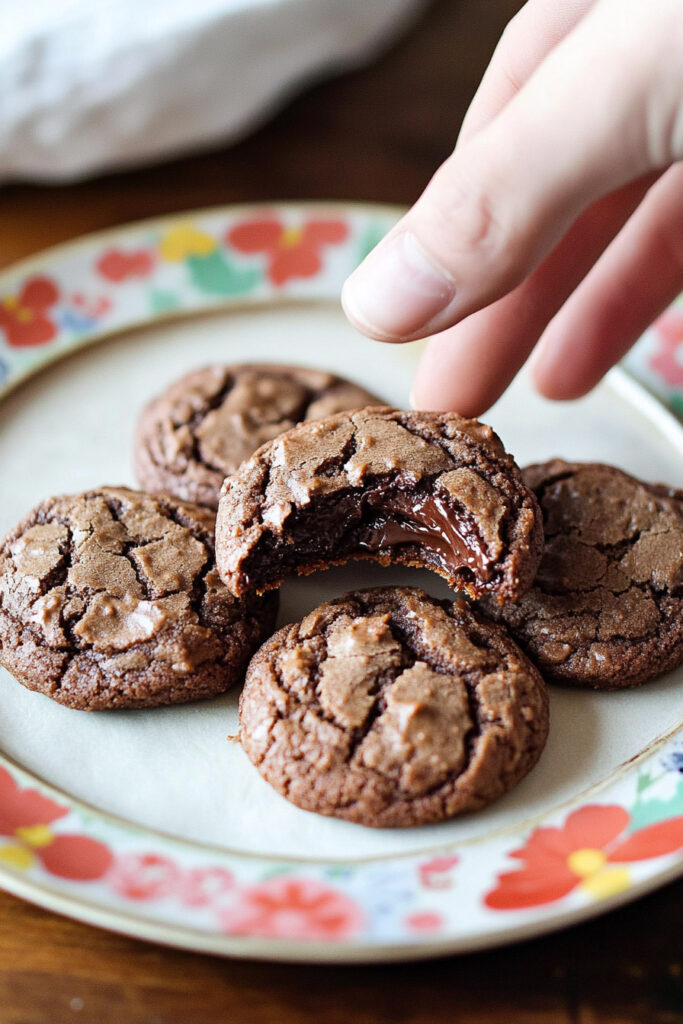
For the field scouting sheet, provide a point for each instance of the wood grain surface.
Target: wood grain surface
(376, 134)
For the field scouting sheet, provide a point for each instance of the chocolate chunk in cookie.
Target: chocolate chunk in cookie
(390, 708)
(606, 609)
(423, 489)
(111, 599)
(205, 424)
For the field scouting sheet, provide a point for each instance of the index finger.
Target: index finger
(528, 37)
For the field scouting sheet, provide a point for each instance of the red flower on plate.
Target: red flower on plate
(291, 251)
(144, 876)
(667, 360)
(292, 908)
(436, 873)
(202, 887)
(588, 852)
(24, 317)
(26, 817)
(424, 922)
(117, 264)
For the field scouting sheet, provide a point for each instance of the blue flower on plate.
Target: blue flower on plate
(672, 761)
(76, 321)
(385, 891)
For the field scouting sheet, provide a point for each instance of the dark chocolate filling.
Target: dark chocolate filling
(426, 519)
(390, 524)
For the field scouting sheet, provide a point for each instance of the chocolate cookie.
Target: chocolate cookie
(390, 708)
(418, 488)
(111, 599)
(199, 430)
(606, 609)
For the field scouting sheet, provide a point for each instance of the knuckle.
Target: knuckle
(472, 219)
(481, 227)
(511, 74)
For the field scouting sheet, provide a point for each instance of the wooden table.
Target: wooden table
(377, 134)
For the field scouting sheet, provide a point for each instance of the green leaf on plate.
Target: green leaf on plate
(649, 812)
(161, 301)
(677, 403)
(215, 275)
(644, 780)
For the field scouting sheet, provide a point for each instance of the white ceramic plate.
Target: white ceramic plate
(150, 822)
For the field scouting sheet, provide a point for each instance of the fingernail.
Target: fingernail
(397, 290)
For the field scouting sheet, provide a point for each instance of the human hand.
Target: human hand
(559, 214)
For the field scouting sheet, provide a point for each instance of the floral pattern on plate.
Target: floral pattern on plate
(53, 849)
(593, 853)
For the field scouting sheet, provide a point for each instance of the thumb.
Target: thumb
(579, 128)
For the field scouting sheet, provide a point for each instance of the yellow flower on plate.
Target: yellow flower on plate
(185, 240)
(30, 837)
(598, 877)
(17, 856)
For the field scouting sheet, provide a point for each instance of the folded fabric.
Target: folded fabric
(94, 84)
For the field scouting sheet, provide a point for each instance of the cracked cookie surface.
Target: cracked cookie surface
(606, 609)
(111, 599)
(426, 489)
(205, 424)
(389, 708)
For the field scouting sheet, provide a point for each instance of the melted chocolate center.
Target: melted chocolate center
(426, 520)
(401, 526)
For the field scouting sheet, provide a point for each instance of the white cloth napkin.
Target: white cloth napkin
(94, 84)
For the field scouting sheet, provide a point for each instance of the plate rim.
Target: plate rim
(287, 949)
(293, 951)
